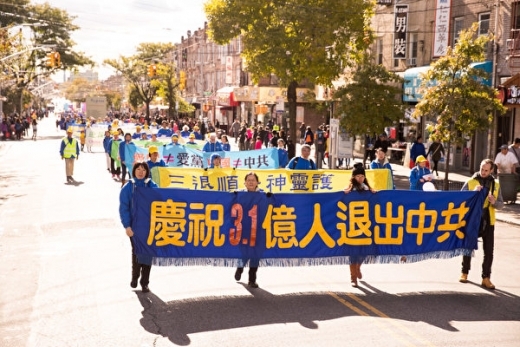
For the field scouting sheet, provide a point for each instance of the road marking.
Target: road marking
(392, 321)
(377, 322)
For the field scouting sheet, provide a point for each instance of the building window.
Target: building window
(396, 63)
(458, 25)
(379, 51)
(483, 23)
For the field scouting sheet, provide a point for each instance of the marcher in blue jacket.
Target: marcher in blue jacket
(122, 151)
(212, 145)
(381, 162)
(140, 267)
(154, 161)
(106, 146)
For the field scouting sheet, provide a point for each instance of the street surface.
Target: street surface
(66, 273)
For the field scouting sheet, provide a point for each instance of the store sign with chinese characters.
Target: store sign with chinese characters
(400, 26)
(442, 27)
(229, 69)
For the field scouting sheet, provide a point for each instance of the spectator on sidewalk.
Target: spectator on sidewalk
(437, 152)
(417, 150)
(515, 149)
(382, 142)
(483, 180)
(505, 161)
(283, 156)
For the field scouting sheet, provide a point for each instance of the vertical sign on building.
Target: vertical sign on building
(400, 25)
(442, 27)
(229, 69)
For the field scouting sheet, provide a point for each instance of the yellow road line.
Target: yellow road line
(377, 322)
(395, 323)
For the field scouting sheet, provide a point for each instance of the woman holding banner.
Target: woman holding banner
(358, 182)
(140, 267)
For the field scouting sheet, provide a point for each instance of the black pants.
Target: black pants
(113, 169)
(123, 175)
(253, 268)
(488, 243)
(434, 169)
(139, 270)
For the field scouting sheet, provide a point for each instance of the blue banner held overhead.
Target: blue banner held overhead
(185, 227)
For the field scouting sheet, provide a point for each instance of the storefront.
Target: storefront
(508, 125)
(412, 94)
(226, 107)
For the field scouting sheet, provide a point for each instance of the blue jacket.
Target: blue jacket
(415, 175)
(126, 196)
(283, 157)
(226, 147)
(299, 163)
(185, 133)
(137, 136)
(106, 144)
(159, 163)
(164, 132)
(122, 146)
(417, 150)
(212, 147)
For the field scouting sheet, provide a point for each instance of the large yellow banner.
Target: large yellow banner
(274, 181)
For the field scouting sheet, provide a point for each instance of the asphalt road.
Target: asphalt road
(66, 273)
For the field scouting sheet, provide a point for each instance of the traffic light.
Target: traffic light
(57, 59)
(152, 70)
(50, 59)
(53, 59)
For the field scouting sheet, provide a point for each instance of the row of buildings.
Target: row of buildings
(410, 34)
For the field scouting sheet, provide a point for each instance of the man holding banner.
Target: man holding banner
(483, 180)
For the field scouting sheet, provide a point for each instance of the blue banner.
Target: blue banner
(181, 156)
(186, 227)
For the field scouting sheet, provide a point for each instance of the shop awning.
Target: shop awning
(226, 97)
(413, 79)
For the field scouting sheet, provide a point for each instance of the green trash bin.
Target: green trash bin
(508, 186)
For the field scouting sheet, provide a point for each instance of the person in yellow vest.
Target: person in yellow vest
(484, 180)
(69, 150)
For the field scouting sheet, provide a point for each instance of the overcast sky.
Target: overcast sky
(109, 28)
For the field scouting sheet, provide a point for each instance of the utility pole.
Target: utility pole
(493, 131)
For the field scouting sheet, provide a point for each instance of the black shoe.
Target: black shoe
(71, 179)
(133, 284)
(145, 289)
(238, 274)
(253, 284)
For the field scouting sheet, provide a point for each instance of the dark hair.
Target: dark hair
(251, 173)
(128, 134)
(358, 170)
(141, 164)
(517, 140)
